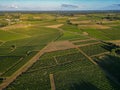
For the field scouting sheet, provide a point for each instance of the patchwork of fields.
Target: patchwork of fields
(76, 50)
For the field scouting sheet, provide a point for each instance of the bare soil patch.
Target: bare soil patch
(16, 26)
(55, 26)
(81, 22)
(59, 45)
(95, 26)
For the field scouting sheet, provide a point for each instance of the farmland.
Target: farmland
(78, 50)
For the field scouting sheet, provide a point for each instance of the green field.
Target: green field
(69, 74)
(93, 49)
(40, 40)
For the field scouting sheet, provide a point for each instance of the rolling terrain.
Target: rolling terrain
(59, 51)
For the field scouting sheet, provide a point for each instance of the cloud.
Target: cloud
(9, 7)
(13, 6)
(69, 6)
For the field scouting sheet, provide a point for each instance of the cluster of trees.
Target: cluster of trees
(70, 23)
(112, 17)
(3, 23)
(112, 47)
(9, 19)
(12, 16)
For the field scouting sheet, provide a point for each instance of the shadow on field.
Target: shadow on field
(83, 86)
(110, 64)
(109, 46)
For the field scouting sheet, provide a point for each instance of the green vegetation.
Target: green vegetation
(7, 61)
(17, 65)
(70, 36)
(111, 64)
(23, 35)
(59, 53)
(75, 75)
(7, 35)
(93, 49)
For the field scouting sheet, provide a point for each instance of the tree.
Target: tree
(3, 23)
(68, 22)
(13, 46)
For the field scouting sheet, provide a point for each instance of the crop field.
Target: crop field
(93, 49)
(65, 71)
(81, 51)
(107, 62)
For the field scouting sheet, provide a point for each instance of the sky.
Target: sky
(46, 5)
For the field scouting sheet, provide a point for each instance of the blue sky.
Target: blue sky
(59, 4)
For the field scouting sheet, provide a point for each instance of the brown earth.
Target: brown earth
(55, 26)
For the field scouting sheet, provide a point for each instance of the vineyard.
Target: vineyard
(66, 69)
(80, 51)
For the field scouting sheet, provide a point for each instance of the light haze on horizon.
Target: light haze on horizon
(59, 5)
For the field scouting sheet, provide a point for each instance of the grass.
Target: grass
(10, 35)
(71, 28)
(7, 61)
(22, 51)
(113, 33)
(69, 35)
(97, 34)
(5, 50)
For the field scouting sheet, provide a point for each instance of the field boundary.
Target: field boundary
(52, 82)
(99, 54)
(23, 69)
(89, 58)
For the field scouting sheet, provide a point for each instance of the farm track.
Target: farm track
(100, 54)
(83, 40)
(52, 82)
(88, 44)
(113, 40)
(22, 69)
(89, 58)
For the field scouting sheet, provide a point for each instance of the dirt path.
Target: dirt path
(55, 26)
(113, 40)
(89, 58)
(52, 82)
(100, 54)
(59, 45)
(55, 60)
(83, 40)
(88, 44)
(21, 70)
(10, 27)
